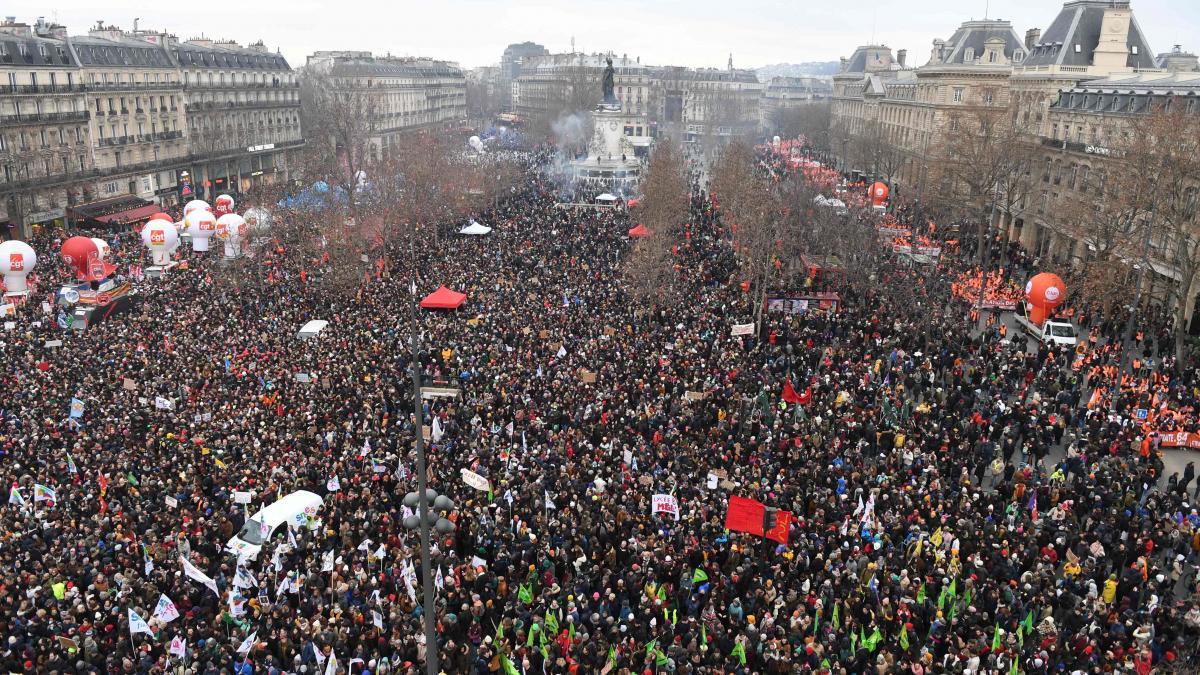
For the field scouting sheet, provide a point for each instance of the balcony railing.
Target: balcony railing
(132, 86)
(34, 118)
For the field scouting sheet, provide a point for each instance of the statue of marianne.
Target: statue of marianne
(608, 83)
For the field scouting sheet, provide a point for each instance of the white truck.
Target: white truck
(1054, 332)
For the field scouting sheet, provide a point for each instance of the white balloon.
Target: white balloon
(17, 260)
(202, 225)
(161, 238)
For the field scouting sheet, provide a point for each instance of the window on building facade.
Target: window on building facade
(958, 94)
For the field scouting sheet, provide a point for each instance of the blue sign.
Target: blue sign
(1142, 414)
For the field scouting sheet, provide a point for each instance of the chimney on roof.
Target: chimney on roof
(1032, 36)
(901, 56)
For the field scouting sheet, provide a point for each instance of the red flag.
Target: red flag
(806, 397)
(789, 393)
(100, 478)
(745, 515)
(779, 533)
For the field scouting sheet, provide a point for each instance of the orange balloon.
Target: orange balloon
(1037, 315)
(1045, 291)
(879, 193)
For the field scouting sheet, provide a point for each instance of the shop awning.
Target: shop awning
(131, 215)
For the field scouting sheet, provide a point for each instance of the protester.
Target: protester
(957, 505)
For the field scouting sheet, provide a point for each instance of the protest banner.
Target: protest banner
(476, 481)
(665, 504)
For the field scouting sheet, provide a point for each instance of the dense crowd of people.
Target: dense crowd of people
(958, 507)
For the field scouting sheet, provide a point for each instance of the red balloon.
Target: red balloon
(79, 253)
(1045, 291)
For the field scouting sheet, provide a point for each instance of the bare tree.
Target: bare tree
(1167, 152)
(974, 161)
(651, 272)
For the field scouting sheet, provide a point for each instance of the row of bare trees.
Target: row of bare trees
(1118, 215)
(378, 196)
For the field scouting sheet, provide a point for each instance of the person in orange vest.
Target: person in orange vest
(1003, 330)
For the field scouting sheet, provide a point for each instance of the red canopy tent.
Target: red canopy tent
(443, 298)
(639, 232)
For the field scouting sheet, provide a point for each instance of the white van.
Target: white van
(295, 509)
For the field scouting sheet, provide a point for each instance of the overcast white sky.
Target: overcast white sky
(678, 32)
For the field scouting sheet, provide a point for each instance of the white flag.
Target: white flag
(138, 625)
(366, 449)
(439, 582)
(149, 564)
(438, 432)
(365, 545)
(327, 561)
(562, 351)
(248, 643)
(331, 664)
(549, 502)
(333, 484)
(163, 403)
(379, 552)
(165, 611)
(194, 572)
(178, 647)
(243, 579)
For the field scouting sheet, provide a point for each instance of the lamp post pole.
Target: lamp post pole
(431, 645)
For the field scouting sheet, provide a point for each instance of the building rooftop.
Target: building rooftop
(119, 51)
(868, 58)
(1073, 36)
(972, 37)
(227, 55)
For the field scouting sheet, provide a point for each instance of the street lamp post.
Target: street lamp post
(425, 516)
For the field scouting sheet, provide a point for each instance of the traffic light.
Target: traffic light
(770, 518)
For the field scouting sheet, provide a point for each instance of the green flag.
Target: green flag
(525, 594)
(551, 622)
(921, 595)
(1027, 622)
(837, 617)
(662, 592)
(904, 639)
(612, 655)
(1013, 670)
(942, 599)
(817, 621)
(996, 639)
(509, 668)
(532, 630)
(500, 632)
(872, 640)
(739, 651)
(660, 659)
(571, 631)
(854, 641)
(703, 634)
(132, 479)
(651, 646)
(967, 598)
(953, 588)
(699, 576)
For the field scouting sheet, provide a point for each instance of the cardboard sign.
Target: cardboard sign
(695, 395)
(476, 481)
(172, 502)
(587, 376)
(543, 334)
(665, 504)
(129, 384)
(240, 497)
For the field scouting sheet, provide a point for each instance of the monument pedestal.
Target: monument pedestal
(610, 163)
